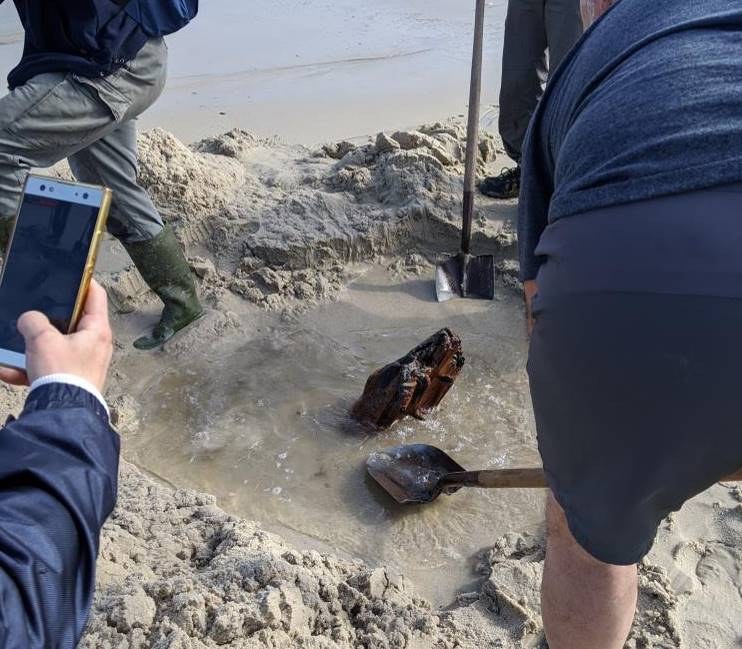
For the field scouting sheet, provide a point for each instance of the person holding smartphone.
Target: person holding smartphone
(88, 70)
(58, 480)
(630, 228)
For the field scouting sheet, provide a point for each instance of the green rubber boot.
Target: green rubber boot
(161, 263)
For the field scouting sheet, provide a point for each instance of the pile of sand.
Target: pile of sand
(189, 183)
(281, 223)
(177, 572)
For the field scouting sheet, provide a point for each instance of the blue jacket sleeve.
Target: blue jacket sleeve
(58, 483)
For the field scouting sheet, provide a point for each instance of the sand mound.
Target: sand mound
(179, 178)
(293, 236)
(283, 222)
(177, 572)
(236, 143)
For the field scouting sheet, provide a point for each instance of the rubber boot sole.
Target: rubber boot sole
(148, 343)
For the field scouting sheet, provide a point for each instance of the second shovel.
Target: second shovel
(467, 275)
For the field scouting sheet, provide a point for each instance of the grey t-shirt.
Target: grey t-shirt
(648, 104)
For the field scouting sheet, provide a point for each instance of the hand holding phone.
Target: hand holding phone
(85, 353)
(50, 259)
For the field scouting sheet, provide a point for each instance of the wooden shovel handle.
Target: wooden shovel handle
(532, 478)
(500, 478)
(472, 129)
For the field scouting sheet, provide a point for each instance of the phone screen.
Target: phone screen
(47, 256)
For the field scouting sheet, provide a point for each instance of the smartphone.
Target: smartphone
(50, 257)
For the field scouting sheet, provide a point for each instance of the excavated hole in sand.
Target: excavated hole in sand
(260, 421)
(244, 387)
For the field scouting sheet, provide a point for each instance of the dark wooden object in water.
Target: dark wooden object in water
(413, 385)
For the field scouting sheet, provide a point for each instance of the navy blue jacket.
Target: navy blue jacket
(91, 38)
(58, 483)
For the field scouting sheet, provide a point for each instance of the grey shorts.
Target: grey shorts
(635, 363)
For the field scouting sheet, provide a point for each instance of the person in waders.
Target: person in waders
(89, 69)
(630, 226)
(532, 28)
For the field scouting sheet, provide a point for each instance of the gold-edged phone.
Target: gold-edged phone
(50, 258)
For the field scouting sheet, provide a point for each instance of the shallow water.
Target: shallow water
(314, 70)
(262, 423)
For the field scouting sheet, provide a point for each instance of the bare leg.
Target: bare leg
(586, 604)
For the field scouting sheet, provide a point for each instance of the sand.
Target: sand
(280, 66)
(177, 572)
(283, 222)
(277, 227)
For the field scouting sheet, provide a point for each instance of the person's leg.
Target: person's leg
(112, 161)
(41, 123)
(53, 116)
(635, 391)
(523, 71)
(585, 604)
(523, 76)
(134, 220)
(563, 29)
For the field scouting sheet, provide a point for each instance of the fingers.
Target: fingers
(97, 301)
(33, 324)
(13, 377)
(95, 312)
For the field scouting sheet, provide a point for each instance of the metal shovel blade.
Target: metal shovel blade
(412, 473)
(465, 276)
(448, 279)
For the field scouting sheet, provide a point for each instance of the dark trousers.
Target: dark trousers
(532, 28)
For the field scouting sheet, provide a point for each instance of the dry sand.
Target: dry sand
(280, 226)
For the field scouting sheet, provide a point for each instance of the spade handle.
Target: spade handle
(532, 478)
(472, 134)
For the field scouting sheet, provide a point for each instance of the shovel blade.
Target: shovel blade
(448, 279)
(465, 276)
(411, 474)
(479, 278)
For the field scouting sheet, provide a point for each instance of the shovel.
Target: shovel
(419, 473)
(467, 275)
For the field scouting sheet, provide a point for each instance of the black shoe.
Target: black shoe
(506, 185)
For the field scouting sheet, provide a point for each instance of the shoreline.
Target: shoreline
(313, 72)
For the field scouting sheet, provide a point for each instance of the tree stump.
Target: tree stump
(413, 385)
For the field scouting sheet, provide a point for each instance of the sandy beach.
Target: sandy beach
(316, 267)
(314, 185)
(314, 70)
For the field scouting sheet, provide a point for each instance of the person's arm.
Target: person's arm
(536, 189)
(58, 471)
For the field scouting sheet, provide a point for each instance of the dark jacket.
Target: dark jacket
(58, 483)
(92, 38)
(646, 105)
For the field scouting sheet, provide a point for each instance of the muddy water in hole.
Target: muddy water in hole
(262, 424)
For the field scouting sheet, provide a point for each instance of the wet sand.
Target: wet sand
(261, 421)
(315, 70)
